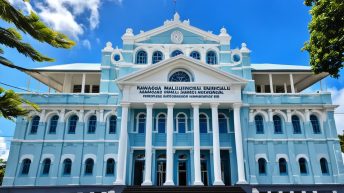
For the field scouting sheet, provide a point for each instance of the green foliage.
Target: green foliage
(31, 25)
(326, 44)
(11, 104)
(2, 170)
(341, 141)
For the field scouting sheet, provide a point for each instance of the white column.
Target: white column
(148, 147)
(238, 144)
(292, 83)
(271, 84)
(122, 147)
(169, 146)
(197, 150)
(216, 145)
(83, 83)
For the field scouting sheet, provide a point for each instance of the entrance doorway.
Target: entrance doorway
(139, 169)
(225, 167)
(182, 170)
(204, 170)
(161, 170)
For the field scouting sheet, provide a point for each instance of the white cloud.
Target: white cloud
(86, 44)
(338, 99)
(4, 151)
(67, 16)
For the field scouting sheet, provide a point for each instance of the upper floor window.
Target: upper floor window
(92, 124)
(53, 124)
(34, 125)
(110, 167)
(296, 124)
(176, 53)
(258, 119)
(141, 57)
(26, 166)
(141, 123)
(262, 166)
(181, 123)
(203, 123)
(277, 124)
(157, 57)
(195, 55)
(303, 166)
(315, 124)
(89, 163)
(180, 76)
(161, 123)
(67, 166)
(211, 57)
(112, 124)
(324, 166)
(223, 123)
(46, 166)
(73, 120)
(282, 163)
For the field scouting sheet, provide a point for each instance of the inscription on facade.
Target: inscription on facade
(182, 91)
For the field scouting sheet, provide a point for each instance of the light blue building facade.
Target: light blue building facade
(176, 106)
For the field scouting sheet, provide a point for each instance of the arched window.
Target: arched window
(92, 124)
(277, 124)
(26, 166)
(223, 123)
(195, 55)
(262, 166)
(157, 57)
(315, 124)
(282, 163)
(258, 119)
(141, 57)
(181, 123)
(112, 124)
(141, 123)
(180, 76)
(203, 123)
(211, 57)
(324, 166)
(46, 166)
(161, 123)
(89, 166)
(110, 167)
(176, 53)
(34, 125)
(53, 124)
(73, 120)
(67, 166)
(303, 166)
(296, 124)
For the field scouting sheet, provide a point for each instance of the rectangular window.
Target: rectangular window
(95, 88)
(87, 88)
(267, 89)
(258, 89)
(279, 89)
(77, 89)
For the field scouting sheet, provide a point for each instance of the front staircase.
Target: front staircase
(183, 189)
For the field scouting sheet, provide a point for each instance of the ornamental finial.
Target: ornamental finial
(176, 17)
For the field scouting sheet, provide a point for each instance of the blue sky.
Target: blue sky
(274, 30)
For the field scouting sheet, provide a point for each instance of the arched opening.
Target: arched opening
(141, 123)
(196, 55)
(67, 167)
(211, 57)
(259, 121)
(223, 123)
(89, 163)
(161, 123)
(315, 124)
(203, 123)
(282, 163)
(141, 57)
(324, 166)
(92, 124)
(110, 166)
(277, 124)
(26, 166)
(262, 166)
(181, 123)
(34, 125)
(157, 57)
(73, 120)
(53, 124)
(296, 124)
(112, 124)
(46, 166)
(176, 53)
(303, 166)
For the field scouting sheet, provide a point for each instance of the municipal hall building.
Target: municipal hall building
(176, 106)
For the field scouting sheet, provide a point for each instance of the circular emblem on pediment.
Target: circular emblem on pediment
(177, 37)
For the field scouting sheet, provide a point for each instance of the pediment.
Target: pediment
(201, 73)
(192, 34)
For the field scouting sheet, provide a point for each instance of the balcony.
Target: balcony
(287, 98)
(72, 98)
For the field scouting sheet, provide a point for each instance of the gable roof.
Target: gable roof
(170, 24)
(173, 60)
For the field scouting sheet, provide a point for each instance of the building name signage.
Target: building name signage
(182, 91)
